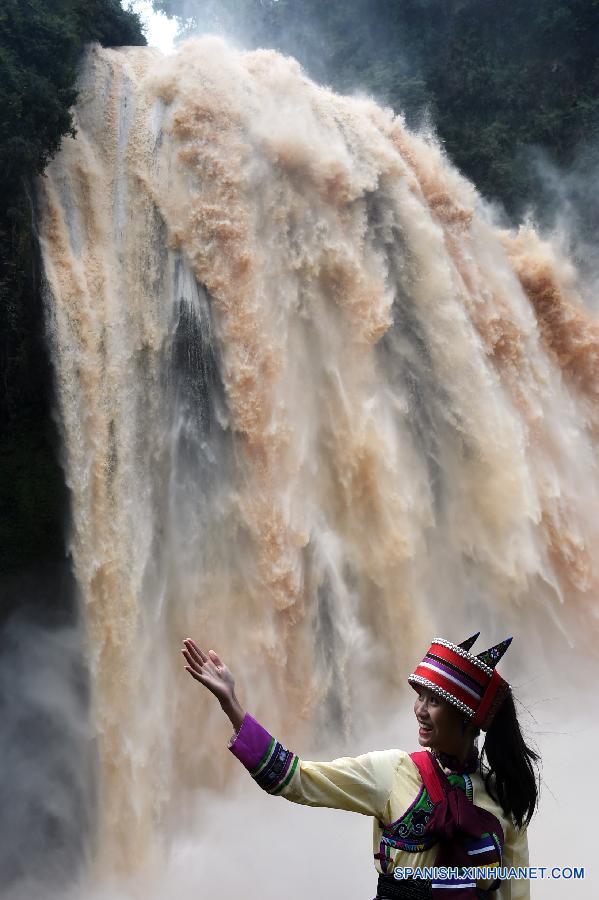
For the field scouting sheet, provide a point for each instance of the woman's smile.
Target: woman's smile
(424, 730)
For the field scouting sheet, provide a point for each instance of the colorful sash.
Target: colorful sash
(466, 834)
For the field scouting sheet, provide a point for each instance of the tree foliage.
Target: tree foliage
(40, 45)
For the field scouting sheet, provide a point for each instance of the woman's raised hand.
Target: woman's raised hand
(210, 671)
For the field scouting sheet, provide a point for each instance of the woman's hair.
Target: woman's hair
(512, 776)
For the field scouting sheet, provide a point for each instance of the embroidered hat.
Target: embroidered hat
(468, 682)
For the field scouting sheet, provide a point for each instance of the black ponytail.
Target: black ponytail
(511, 777)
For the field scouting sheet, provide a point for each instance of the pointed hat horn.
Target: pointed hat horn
(492, 656)
(465, 645)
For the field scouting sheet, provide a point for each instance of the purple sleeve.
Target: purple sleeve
(269, 763)
(251, 743)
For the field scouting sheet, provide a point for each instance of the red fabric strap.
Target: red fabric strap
(435, 781)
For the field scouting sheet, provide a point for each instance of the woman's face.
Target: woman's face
(440, 723)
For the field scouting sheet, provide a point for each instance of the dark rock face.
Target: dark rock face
(33, 495)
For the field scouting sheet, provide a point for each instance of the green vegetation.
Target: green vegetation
(40, 46)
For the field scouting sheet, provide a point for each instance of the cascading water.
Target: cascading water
(315, 405)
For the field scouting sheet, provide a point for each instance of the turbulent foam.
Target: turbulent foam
(313, 402)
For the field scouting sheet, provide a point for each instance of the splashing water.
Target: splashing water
(316, 406)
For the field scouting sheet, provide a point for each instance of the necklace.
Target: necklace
(454, 765)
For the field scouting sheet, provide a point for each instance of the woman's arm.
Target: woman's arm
(359, 784)
(515, 853)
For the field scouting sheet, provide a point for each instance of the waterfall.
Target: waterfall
(317, 407)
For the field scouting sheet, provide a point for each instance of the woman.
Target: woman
(444, 808)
